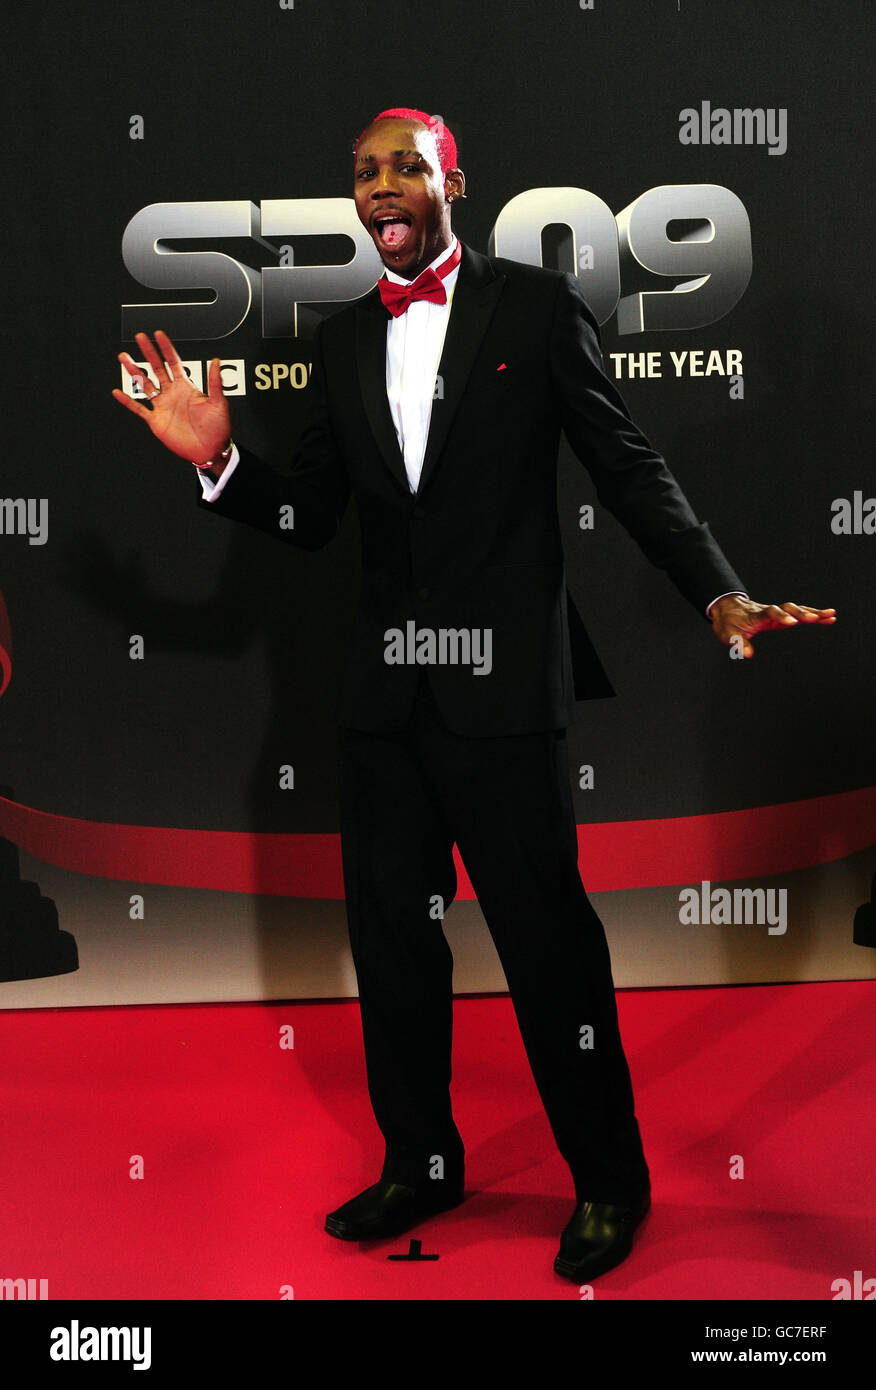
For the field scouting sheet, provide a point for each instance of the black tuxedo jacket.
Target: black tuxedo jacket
(478, 546)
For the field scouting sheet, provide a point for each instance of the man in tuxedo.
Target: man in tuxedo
(438, 400)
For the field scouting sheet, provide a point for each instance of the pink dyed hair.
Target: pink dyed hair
(444, 140)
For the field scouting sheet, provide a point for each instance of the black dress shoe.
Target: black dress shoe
(598, 1237)
(389, 1208)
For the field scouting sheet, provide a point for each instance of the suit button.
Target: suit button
(418, 513)
(424, 593)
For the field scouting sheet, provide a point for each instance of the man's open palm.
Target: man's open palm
(195, 426)
(738, 619)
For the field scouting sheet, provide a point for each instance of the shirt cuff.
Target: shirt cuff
(731, 593)
(211, 488)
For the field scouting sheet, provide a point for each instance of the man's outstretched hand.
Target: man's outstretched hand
(742, 618)
(195, 426)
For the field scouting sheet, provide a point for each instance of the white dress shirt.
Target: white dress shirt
(414, 343)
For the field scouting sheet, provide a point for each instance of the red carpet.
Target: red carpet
(245, 1146)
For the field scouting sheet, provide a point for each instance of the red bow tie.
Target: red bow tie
(429, 285)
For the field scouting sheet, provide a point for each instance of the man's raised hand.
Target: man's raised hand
(195, 426)
(736, 618)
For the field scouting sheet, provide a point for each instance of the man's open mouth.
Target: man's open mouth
(392, 229)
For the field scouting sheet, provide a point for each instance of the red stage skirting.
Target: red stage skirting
(754, 844)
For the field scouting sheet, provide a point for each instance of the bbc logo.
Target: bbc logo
(232, 368)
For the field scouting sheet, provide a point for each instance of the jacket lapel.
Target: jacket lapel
(475, 297)
(371, 321)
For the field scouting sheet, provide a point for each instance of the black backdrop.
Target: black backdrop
(254, 101)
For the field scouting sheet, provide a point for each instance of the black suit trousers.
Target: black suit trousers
(406, 797)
